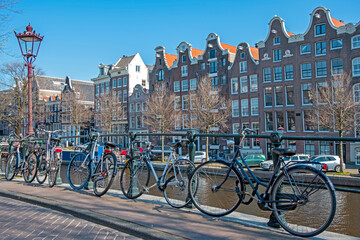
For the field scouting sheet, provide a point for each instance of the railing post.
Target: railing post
(133, 165)
(275, 138)
(192, 146)
(132, 136)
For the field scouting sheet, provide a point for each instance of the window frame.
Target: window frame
(316, 28)
(332, 41)
(316, 69)
(322, 49)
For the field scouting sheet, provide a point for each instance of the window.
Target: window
(306, 93)
(243, 67)
(183, 58)
(269, 121)
(305, 70)
(268, 97)
(185, 121)
(193, 84)
(242, 55)
(320, 30)
(290, 95)
(305, 49)
(308, 125)
(193, 121)
(192, 101)
(235, 108)
(289, 72)
(290, 115)
(203, 66)
(309, 148)
(255, 141)
(321, 70)
(125, 95)
(137, 94)
(320, 48)
(138, 122)
(279, 120)
(97, 89)
(125, 81)
(213, 67)
(223, 80)
(236, 128)
(267, 74)
(253, 83)
(185, 102)
(185, 85)
(254, 106)
(120, 96)
(177, 86)
(214, 82)
(177, 103)
(144, 106)
(114, 83)
(119, 82)
(276, 41)
(138, 107)
(337, 67)
(107, 87)
(356, 91)
(137, 68)
(160, 62)
(278, 96)
(277, 74)
(277, 55)
(355, 42)
(212, 53)
(177, 122)
(336, 43)
(243, 85)
(357, 125)
(184, 71)
(244, 107)
(132, 122)
(324, 148)
(356, 67)
(321, 91)
(234, 86)
(223, 62)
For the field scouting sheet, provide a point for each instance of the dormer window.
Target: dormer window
(138, 68)
(184, 58)
(320, 30)
(101, 71)
(276, 41)
(160, 62)
(212, 53)
(242, 55)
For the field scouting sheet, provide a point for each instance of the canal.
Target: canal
(346, 220)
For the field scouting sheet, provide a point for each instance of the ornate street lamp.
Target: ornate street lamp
(29, 43)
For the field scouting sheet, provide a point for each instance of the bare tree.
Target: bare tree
(334, 107)
(6, 8)
(160, 114)
(211, 108)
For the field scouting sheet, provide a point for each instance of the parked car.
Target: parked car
(200, 157)
(331, 162)
(254, 160)
(269, 165)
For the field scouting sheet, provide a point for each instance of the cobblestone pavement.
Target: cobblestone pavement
(20, 220)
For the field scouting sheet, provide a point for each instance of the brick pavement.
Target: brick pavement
(19, 220)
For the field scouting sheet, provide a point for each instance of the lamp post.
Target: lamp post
(29, 43)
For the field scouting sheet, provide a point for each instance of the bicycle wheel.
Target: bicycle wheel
(10, 169)
(53, 171)
(177, 182)
(211, 192)
(42, 171)
(78, 172)
(305, 201)
(104, 174)
(134, 177)
(30, 167)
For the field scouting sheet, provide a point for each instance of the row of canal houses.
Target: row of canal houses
(268, 84)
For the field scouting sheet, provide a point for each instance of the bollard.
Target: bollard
(191, 135)
(133, 189)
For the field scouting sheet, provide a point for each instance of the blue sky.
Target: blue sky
(79, 34)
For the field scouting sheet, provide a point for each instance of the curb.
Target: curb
(114, 223)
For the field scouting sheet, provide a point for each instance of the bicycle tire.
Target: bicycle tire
(135, 176)
(209, 200)
(30, 169)
(308, 210)
(11, 165)
(53, 171)
(176, 186)
(105, 174)
(41, 173)
(78, 174)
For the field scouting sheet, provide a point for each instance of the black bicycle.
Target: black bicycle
(301, 197)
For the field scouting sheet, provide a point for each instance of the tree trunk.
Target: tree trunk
(162, 149)
(341, 152)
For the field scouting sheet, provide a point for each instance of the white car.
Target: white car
(200, 157)
(332, 162)
(269, 165)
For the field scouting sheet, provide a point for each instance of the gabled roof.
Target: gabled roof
(124, 61)
(255, 53)
(336, 22)
(232, 49)
(170, 59)
(196, 52)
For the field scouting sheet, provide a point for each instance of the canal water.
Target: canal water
(346, 220)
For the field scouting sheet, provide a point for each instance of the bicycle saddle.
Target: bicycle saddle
(284, 151)
(110, 144)
(174, 145)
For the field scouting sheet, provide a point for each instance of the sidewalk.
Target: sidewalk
(148, 217)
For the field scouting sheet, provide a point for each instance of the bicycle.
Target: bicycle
(83, 166)
(173, 182)
(50, 159)
(296, 195)
(22, 158)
